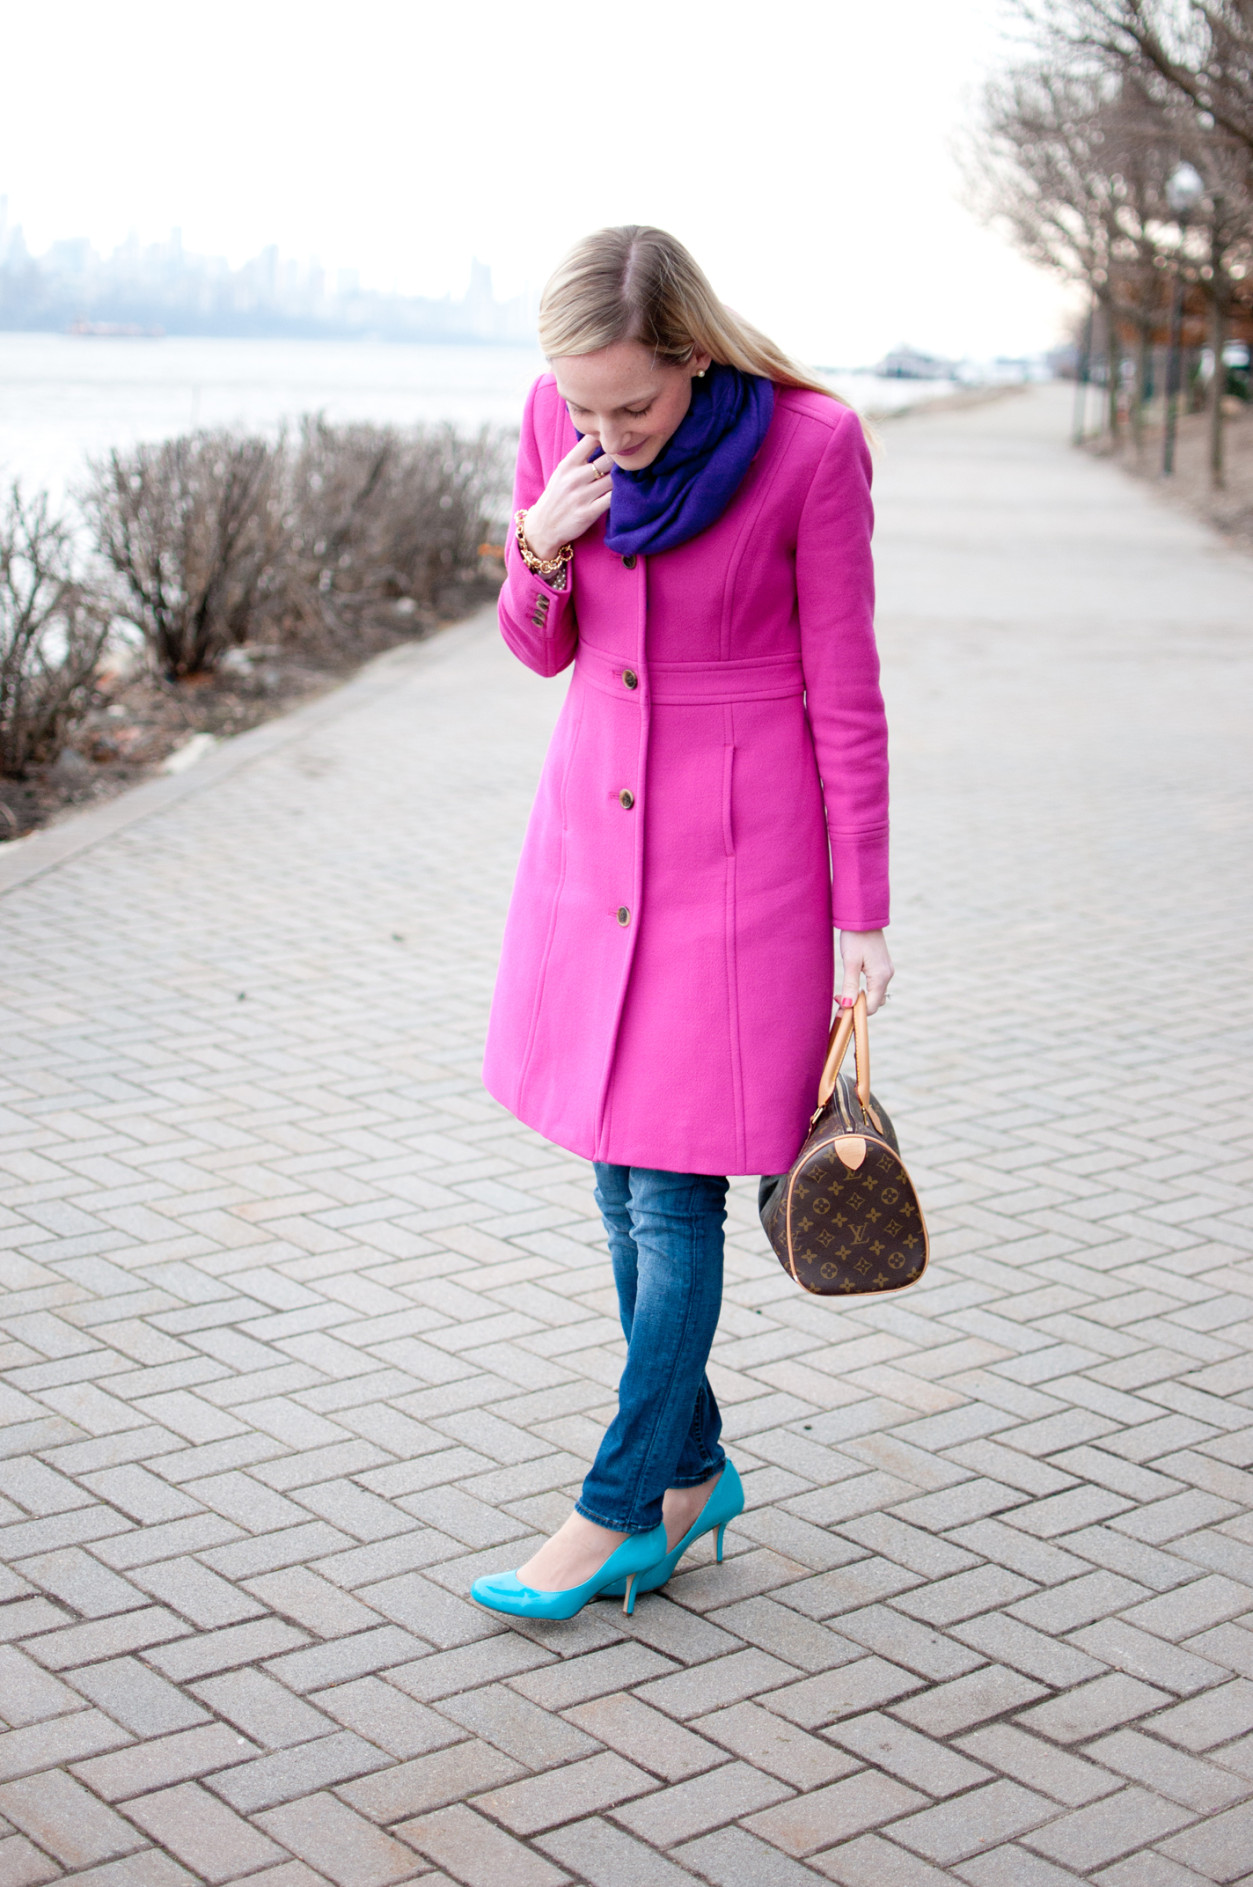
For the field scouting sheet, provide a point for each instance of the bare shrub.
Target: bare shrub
(216, 539)
(51, 634)
(193, 533)
(450, 491)
(376, 515)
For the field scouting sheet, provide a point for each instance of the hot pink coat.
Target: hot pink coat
(714, 799)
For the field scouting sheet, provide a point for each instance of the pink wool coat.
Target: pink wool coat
(714, 800)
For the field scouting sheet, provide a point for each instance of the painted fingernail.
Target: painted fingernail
(846, 1002)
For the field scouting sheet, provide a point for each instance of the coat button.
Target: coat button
(629, 678)
(624, 916)
(628, 562)
(626, 799)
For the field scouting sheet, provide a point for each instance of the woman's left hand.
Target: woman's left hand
(865, 953)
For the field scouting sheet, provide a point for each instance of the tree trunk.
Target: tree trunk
(1218, 343)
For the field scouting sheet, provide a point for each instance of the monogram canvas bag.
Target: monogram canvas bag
(846, 1218)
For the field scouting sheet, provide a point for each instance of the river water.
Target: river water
(65, 398)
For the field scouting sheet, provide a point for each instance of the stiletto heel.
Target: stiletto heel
(724, 1503)
(628, 1603)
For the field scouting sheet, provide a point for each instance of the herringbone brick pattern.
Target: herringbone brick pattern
(302, 1332)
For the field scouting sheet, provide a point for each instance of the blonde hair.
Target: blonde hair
(640, 284)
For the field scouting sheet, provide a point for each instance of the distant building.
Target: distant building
(909, 363)
(164, 288)
(12, 242)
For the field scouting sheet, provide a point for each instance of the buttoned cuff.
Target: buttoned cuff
(541, 602)
(529, 591)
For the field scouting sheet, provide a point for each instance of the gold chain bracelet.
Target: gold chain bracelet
(539, 566)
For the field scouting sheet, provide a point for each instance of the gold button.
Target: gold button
(624, 916)
(628, 562)
(629, 678)
(626, 799)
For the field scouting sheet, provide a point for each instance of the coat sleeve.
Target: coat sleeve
(835, 593)
(536, 620)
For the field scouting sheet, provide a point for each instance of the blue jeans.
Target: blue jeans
(665, 1239)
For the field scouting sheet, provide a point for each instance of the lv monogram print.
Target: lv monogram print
(846, 1220)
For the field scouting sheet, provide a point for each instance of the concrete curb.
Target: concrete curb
(22, 860)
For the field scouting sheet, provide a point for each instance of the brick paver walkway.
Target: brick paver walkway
(304, 1333)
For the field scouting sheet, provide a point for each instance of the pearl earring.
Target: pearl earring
(700, 373)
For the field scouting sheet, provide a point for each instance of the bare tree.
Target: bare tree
(192, 530)
(1149, 246)
(1174, 81)
(1069, 162)
(51, 634)
(1200, 50)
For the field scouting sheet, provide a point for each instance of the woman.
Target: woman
(692, 532)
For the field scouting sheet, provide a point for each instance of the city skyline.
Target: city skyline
(167, 287)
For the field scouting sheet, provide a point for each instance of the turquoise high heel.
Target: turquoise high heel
(505, 1592)
(725, 1504)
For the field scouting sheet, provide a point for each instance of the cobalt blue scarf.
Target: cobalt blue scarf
(692, 480)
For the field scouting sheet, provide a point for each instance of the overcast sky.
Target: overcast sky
(801, 148)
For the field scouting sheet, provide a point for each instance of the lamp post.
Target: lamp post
(1183, 192)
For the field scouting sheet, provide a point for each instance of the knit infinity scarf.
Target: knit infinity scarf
(695, 475)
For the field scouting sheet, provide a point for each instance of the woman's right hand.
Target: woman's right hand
(574, 497)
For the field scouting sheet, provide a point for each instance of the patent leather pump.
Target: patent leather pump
(725, 1504)
(505, 1592)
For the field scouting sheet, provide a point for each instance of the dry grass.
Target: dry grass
(1229, 510)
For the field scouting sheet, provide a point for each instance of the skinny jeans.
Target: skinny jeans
(665, 1240)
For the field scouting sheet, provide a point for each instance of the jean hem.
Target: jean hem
(701, 1476)
(615, 1525)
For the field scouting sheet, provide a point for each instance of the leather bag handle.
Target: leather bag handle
(849, 1025)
